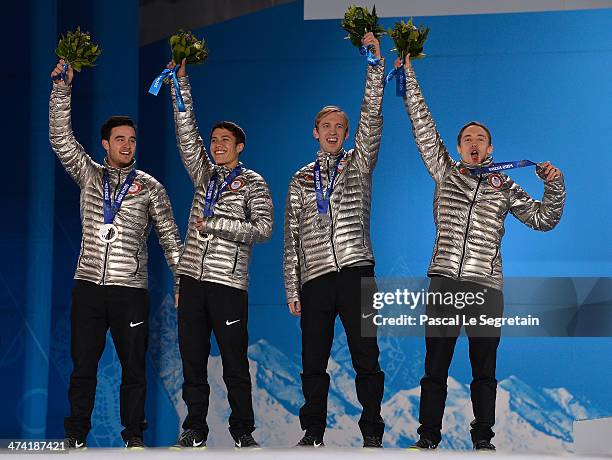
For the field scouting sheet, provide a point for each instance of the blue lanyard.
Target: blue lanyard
(111, 210)
(367, 51)
(211, 197)
(503, 166)
(170, 73)
(323, 196)
(400, 83)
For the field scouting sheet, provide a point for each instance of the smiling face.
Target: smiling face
(225, 148)
(474, 144)
(331, 131)
(121, 146)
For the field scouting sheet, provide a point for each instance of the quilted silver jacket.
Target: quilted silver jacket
(470, 209)
(242, 216)
(124, 261)
(312, 248)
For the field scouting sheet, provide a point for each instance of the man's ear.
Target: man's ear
(105, 145)
(315, 133)
(490, 149)
(239, 148)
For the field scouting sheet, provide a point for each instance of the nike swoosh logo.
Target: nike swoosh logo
(136, 324)
(317, 445)
(229, 323)
(239, 443)
(197, 444)
(367, 316)
(78, 445)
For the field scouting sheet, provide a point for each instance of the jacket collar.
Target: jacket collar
(223, 171)
(488, 161)
(324, 156)
(120, 171)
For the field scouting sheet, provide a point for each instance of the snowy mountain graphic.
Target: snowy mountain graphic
(528, 419)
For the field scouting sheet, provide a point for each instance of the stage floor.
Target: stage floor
(293, 454)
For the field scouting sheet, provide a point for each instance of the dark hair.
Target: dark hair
(474, 123)
(233, 128)
(113, 122)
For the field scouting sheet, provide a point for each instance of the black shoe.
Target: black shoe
(75, 443)
(372, 441)
(190, 439)
(484, 445)
(423, 444)
(134, 443)
(311, 441)
(246, 441)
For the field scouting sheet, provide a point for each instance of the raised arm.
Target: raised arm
(190, 143)
(291, 260)
(540, 215)
(256, 228)
(71, 154)
(428, 140)
(162, 216)
(369, 131)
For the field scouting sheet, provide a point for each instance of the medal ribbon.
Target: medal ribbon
(367, 51)
(169, 73)
(211, 197)
(503, 166)
(400, 80)
(111, 209)
(323, 196)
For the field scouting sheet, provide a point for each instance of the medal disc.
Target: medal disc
(204, 236)
(108, 233)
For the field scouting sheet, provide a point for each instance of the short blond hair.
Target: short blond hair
(330, 109)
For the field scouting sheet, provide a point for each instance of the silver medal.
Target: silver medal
(204, 236)
(108, 233)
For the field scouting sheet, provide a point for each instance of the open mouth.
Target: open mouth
(332, 140)
(474, 156)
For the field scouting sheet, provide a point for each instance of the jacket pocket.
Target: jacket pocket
(494, 259)
(303, 255)
(235, 260)
(435, 254)
(363, 235)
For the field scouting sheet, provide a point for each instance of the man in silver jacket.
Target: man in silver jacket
(327, 251)
(470, 207)
(111, 274)
(214, 269)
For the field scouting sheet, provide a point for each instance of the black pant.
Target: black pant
(206, 307)
(322, 299)
(125, 311)
(440, 345)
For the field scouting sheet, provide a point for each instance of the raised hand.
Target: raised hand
(370, 40)
(546, 171)
(58, 69)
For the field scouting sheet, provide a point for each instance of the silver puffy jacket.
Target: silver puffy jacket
(469, 210)
(242, 216)
(312, 249)
(123, 262)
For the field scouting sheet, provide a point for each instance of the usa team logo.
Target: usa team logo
(135, 188)
(236, 184)
(495, 180)
(342, 164)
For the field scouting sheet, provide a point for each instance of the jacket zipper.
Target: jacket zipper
(467, 227)
(331, 218)
(108, 244)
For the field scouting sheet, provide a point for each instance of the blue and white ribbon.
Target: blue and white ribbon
(157, 83)
(367, 51)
